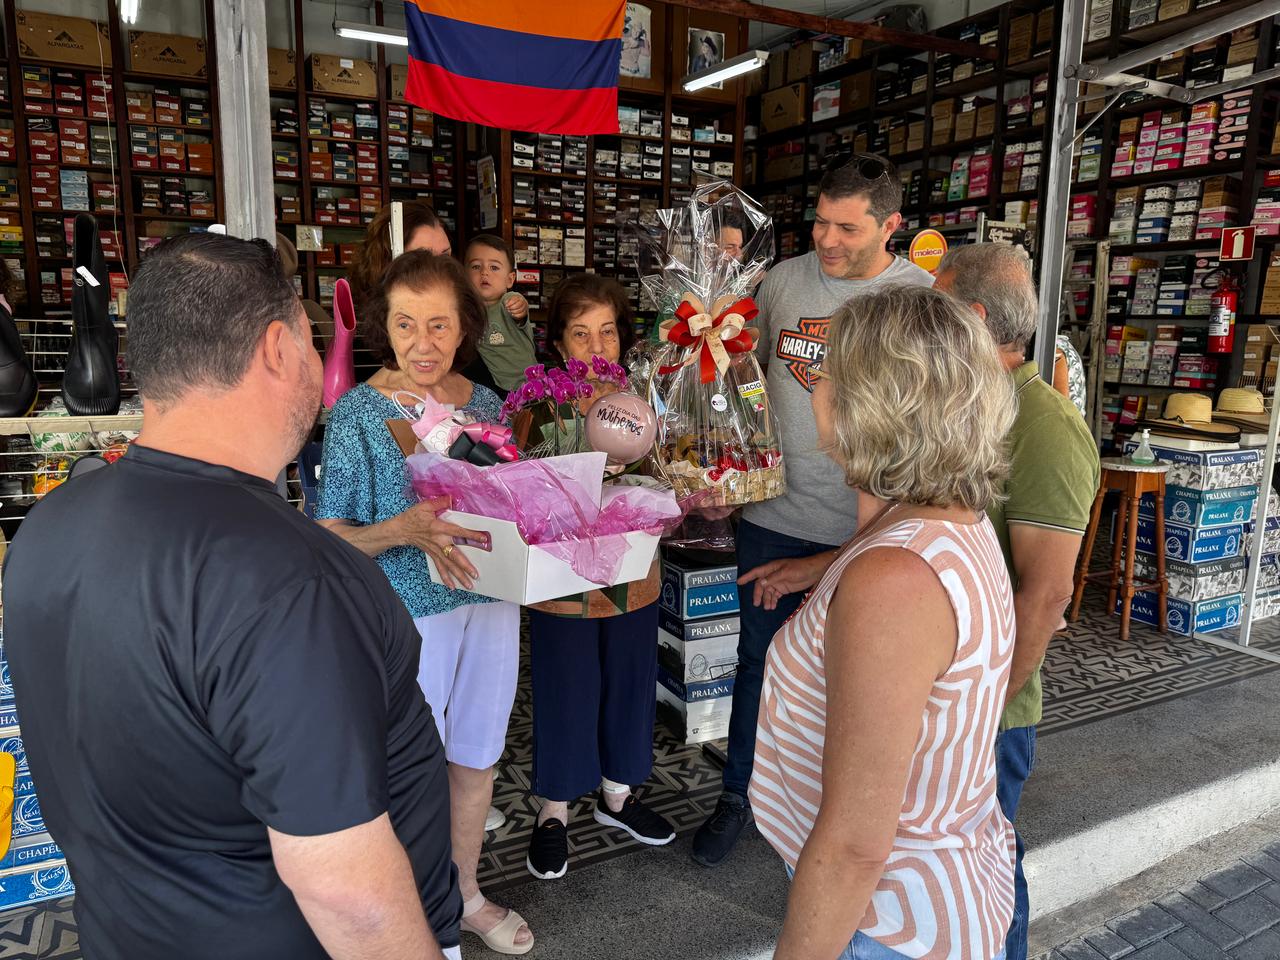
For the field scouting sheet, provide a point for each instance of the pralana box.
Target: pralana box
(1203, 508)
(698, 661)
(1196, 581)
(692, 593)
(35, 882)
(38, 848)
(686, 630)
(1207, 471)
(695, 690)
(1193, 544)
(1206, 616)
(695, 722)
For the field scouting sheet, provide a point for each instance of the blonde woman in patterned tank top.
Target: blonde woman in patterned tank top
(875, 774)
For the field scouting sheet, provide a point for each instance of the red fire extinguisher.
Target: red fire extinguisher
(1222, 313)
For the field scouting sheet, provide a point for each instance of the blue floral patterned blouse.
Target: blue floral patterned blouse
(362, 479)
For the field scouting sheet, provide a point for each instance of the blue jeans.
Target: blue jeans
(756, 545)
(1015, 757)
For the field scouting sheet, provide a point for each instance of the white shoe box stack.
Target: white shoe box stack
(33, 868)
(697, 648)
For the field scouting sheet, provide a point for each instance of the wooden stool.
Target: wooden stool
(1131, 481)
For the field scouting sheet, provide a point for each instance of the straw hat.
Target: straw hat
(1189, 408)
(1191, 415)
(1243, 407)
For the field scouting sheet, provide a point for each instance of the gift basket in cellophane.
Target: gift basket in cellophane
(717, 442)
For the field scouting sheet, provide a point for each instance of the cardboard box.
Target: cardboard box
(44, 37)
(856, 91)
(782, 108)
(33, 883)
(282, 69)
(1205, 616)
(986, 123)
(167, 53)
(728, 625)
(399, 80)
(355, 78)
(1203, 508)
(1196, 581)
(1207, 471)
(1192, 544)
(800, 60)
(703, 661)
(696, 722)
(692, 593)
(696, 691)
(509, 569)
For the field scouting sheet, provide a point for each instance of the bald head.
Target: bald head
(996, 279)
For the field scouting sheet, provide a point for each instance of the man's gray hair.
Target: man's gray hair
(998, 276)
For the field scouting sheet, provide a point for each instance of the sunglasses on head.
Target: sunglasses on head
(868, 165)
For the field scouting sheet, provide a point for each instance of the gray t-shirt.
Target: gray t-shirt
(796, 302)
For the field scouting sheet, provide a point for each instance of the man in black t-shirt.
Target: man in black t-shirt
(219, 698)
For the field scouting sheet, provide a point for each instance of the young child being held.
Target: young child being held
(506, 347)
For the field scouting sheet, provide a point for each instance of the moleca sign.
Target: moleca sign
(928, 247)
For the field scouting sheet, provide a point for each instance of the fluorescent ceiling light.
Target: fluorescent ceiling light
(370, 32)
(733, 67)
(129, 10)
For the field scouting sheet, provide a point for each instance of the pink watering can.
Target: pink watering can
(339, 366)
(441, 429)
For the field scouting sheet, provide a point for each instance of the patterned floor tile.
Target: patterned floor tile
(59, 937)
(20, 933)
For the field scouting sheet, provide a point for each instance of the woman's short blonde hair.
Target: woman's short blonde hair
(921, 403)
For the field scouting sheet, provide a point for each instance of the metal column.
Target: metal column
(244, 108)
(1057, 200)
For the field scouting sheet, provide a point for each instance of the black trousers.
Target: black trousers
(594, 694)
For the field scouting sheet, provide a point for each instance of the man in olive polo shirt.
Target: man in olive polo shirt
(1052, 483)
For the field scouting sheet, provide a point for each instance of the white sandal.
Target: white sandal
(501, 938)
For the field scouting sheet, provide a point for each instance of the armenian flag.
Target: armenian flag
(548, 67)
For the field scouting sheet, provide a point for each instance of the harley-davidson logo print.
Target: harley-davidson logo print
(802, 347)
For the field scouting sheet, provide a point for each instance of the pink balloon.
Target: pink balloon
(621, 425)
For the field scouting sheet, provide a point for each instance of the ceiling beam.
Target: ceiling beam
(856, 29)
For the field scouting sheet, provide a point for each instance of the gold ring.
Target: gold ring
(448, 550)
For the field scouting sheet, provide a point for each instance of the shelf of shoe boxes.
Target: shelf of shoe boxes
(556, 231)
(342, 183)
(983, 119)
(75, 167)
(1177, 176)
(698, 627)
(1179, 219)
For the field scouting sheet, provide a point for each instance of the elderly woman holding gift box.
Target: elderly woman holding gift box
(594, 657)
(422, 323)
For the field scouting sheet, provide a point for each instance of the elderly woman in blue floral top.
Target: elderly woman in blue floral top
(423, 326)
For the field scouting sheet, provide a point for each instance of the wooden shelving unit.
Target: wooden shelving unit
(723, 108)
(448, 200)
(854, 126)
(1256, 159)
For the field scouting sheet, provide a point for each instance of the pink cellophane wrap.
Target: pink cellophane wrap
(558, 504)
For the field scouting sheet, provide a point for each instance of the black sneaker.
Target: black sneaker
(638, 820)
(715, 839)
(548, 857)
